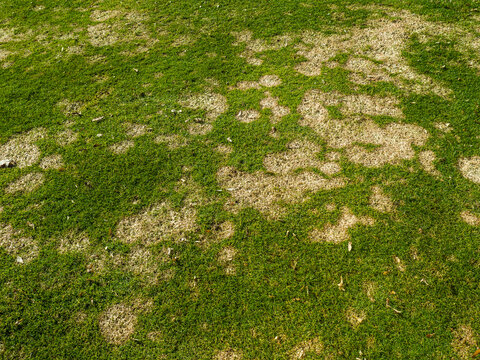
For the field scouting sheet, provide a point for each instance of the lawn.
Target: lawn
(236, 180)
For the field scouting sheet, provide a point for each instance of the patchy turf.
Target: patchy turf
(240, 180)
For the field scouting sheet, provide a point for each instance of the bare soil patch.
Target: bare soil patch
(339, 232)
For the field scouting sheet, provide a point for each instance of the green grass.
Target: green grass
(284, 291)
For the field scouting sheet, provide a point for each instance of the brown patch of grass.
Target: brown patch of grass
(140, 261)
(380, 201)
(69, 108)
(74, 241)
(26, 183)
(247, 116)
(66, 137)
(270, 80)
(229, 354)
(470, 218)
(427, 160)
(162, 221)
(393, 142)
(225, 230)
(399, 263)
(267, 193)
(301, 155)
(382, 40)
(278, 111)
(25, 249)
(254, 46)
(464, 342)
(22, 149)
(224, 149)
(213, 104)
(247, 85)
(183, 40)
(4, 54)
(470, 168)
(355, 317)
(118, 322)
(172, 141)
(226, 257)
(445, 127)
(200, 128)
(339, 232)
(157, 223)
(135, 130)
(122, 147)
(370, 288)
(313, 346)
(103, 35)
(52, 162)
(104, 15)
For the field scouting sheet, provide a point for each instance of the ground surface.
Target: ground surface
(240, 179)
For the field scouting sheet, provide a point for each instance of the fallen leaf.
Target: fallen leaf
(476, 353)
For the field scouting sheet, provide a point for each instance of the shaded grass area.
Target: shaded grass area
(285, 290)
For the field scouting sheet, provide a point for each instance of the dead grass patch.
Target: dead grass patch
(301, 155)
(464, 342)
(278, 111)
(52, 162)
(370, 288)
(270, 80)
(254, 46)
(340, 232)
(122, 147)
(312, 346)
(22, 149)
(104, 15)
(172, 141)
(247, 116)
(183, 40)
(4, 54)
(382, 40)
(444, 127)
(213, 104)
(141, 262)
(200, 128)
(26, 183)
(70, 108)
(355, 317)
(25, 249)
(103, 35)
(268, 193)
(380, 201)
(229, 354)
(136, 130)
(393, 142)
(427, 160)
(225, 230)
(158, 223)
(74, 241)
(66, 137)
(470, 218)
(247, 85)
(224, 149)
(225, 258)
(118, 322)
(470, 168)
(162, 221)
